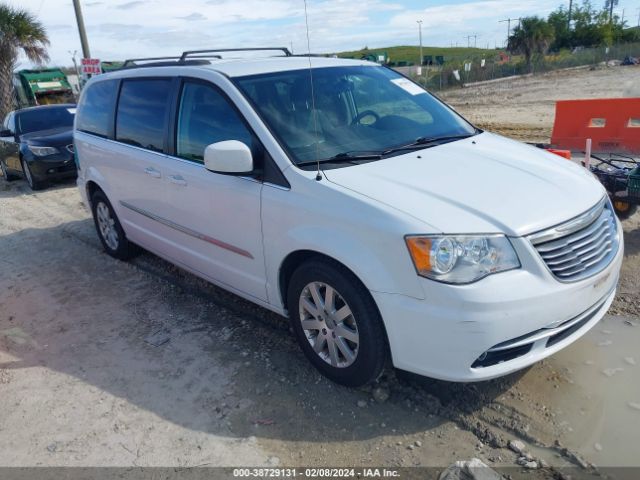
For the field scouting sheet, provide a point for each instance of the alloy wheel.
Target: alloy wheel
(27, 174)
(107, 226)
(329, 324)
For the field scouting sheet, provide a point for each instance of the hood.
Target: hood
(50, 137)
(483, 184)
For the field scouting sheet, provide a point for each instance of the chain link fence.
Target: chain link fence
(456, 71)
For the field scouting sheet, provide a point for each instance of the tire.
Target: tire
(112, 236)
(32, 181)
(361, 332)
(624, 210)
(5, 174)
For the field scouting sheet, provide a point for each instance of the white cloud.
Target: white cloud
(119, 29)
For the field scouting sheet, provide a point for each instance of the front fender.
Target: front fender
(374, 250)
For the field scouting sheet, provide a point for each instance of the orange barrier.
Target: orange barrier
(563, 153)
(613, 125)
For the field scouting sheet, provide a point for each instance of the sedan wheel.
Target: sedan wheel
(5, 175)
(31, 180)
(329, 324)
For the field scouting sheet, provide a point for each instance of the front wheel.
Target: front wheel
(109, 230)
(5, 174)
(337, 323)
(33, 182)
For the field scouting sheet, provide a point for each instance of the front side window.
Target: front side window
(357, 109)
(206, 117)
(96, 105)
(142, 111)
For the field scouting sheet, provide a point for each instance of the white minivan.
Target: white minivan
(346, 197)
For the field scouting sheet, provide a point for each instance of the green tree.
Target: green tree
(20, 32)
(559, 21)
(531, 38)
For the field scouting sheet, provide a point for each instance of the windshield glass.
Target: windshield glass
(359, 109)
(45, 119)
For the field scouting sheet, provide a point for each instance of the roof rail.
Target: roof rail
(196, 53)
(131, 62)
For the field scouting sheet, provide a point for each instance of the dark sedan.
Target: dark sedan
(37, 143)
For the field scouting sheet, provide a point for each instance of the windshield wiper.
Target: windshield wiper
(423, 142)
(346, 157)
(358, 155)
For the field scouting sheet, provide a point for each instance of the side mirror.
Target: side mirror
(6, 133)
(230, 157)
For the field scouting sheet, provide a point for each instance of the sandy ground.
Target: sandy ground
(525, 108)
(86, 380)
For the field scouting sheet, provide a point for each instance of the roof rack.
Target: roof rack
(131, 62)
(193, 57)
(197, 53)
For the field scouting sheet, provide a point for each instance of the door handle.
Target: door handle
(178, 180)
(153, 172)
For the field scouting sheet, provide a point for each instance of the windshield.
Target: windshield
(45, 119)
(359, 109)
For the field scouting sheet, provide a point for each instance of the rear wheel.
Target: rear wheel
(109, 230)
(337, 323)
(5, 174)
(33, 182)
(624, 209)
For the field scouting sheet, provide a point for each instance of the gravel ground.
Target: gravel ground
(524, 108)
(141, 364)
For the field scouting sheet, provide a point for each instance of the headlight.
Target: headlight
(43, 151)
(461, 258)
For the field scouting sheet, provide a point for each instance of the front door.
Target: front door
(216, 218)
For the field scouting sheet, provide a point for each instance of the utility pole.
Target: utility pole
(638, 17)
(611, 4)
(75, 63)
(419, 22)
(570, 10)
(475, 38)
(508, 20)
(81, 30)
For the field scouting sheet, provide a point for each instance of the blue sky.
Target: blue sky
(119, 29)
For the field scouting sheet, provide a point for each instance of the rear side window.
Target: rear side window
(142, 110)
(206, 117)
(96, 105)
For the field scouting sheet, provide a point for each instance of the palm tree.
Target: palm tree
(608, 5)
(532, 37)
(20, 31)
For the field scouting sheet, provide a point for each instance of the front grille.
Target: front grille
(580, 247)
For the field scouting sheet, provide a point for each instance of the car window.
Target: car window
(45, 118)
(206, 117)
(142, 110)
(349, 109)
(94, 110)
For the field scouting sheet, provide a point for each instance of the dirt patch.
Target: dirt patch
(524, 108)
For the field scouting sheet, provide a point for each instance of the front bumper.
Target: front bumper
(61, 165)
(525, 314)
